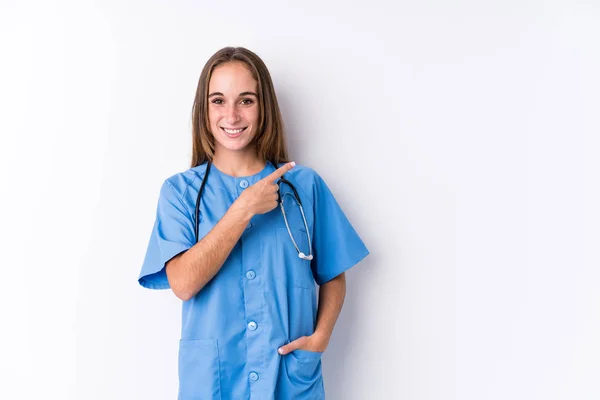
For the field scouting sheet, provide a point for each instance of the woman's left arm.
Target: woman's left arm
(331, 299)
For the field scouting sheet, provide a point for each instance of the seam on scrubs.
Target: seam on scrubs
(219, 368)
(180, 200)
(298, 187)
(188, 186)
(240, 241)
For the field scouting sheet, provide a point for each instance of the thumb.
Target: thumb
(294, 345)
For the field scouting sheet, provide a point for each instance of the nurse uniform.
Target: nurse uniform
(264, 295)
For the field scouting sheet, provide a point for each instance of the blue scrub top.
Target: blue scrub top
(264, 295)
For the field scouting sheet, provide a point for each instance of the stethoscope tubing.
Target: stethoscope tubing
(279, 201)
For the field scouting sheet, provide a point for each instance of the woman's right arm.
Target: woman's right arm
(189, 271)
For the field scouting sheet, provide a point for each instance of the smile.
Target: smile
(233, 131)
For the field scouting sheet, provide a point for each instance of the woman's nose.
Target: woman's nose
(232, 114)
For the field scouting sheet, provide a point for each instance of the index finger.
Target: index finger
(278, 173)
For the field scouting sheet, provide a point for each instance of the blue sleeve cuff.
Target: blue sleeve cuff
(341, 267)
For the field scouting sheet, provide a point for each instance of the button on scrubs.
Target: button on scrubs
(264, 295)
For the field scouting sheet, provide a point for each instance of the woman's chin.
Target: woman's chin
(234, 146)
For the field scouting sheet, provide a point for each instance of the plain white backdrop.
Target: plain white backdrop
(460, 138)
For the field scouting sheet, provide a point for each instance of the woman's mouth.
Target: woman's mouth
(233, 133)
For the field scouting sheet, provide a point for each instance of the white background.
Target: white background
(460, 138)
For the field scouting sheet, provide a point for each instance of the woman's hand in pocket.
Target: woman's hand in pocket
(314, 342)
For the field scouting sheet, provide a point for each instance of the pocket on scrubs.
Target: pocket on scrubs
(307, 356)
(293, 270)
(304, 374)
(199, 375)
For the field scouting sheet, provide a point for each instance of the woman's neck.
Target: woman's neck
(238, 163)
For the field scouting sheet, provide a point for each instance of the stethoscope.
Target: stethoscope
(279, 201)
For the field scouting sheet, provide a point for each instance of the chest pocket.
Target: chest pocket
(290, 269)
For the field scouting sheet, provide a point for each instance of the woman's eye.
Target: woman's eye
(244, 101)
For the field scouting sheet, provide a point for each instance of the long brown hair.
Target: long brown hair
(269, 138)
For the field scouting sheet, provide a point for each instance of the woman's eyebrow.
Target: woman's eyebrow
(241, 94)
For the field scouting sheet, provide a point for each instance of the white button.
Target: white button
(254, 376)
(252, 325)
(244, 183)
(250, 274)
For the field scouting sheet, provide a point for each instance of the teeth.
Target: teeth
(233, 131)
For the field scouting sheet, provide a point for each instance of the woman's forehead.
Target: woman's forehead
(232, 78)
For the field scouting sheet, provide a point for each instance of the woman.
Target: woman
(251, 326)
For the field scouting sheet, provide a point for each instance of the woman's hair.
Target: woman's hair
(269, 138)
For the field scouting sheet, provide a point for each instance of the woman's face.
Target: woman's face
(232, 107)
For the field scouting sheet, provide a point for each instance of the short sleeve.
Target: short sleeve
(172, 233)
(336, 245)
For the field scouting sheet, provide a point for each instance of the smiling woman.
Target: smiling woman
(235, 91)
(233, 106)
(246, 269)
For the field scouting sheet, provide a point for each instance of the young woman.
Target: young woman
(242, 237)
